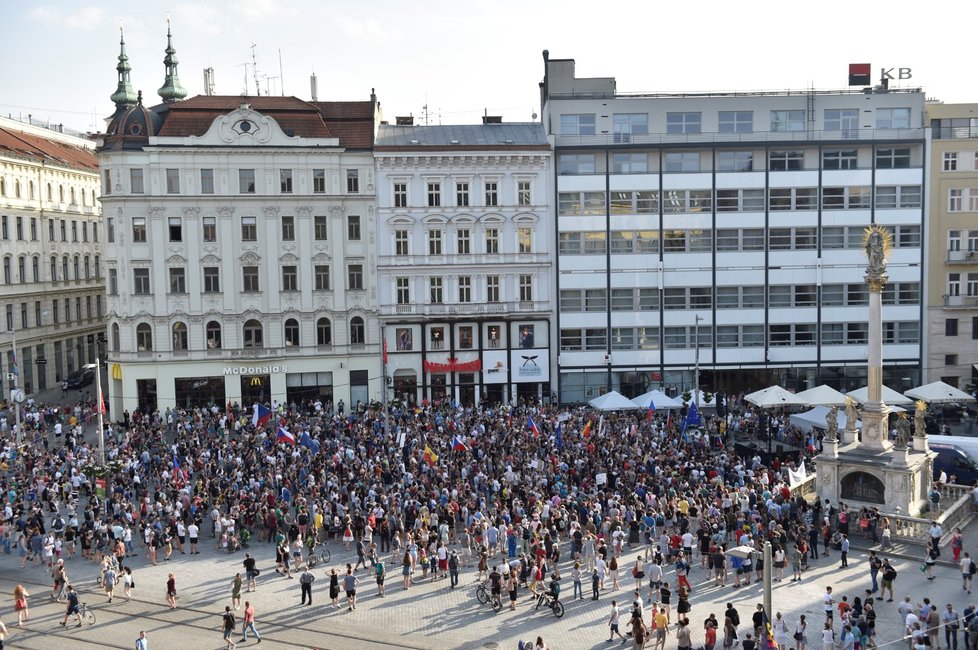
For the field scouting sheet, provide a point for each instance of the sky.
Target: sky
(462, 58)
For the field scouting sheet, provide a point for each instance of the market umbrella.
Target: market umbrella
(774, 396)
(823, 396)
(613, 401)
(890, 396)
(939, 392)
(659, 399)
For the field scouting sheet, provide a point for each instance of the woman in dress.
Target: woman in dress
(957, 543)
(236, 591)
(406, 569)
(729, 633)
(127, 582)
(334, 588)
(779, 562)
(20, 604)
(799, 636)
(780, 630)
(682, 606)
(929, 563)
(171, 591)
(828, 640)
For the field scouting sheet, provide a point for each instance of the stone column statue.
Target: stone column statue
(919, 427)
(832, 424)
(902, 432)
(850, 414)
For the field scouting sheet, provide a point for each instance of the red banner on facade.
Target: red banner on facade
(453, 365)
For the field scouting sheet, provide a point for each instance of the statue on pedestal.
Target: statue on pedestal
(902, 432)
(850, 414)
(920, 428)
(832, 424)
(876, 242)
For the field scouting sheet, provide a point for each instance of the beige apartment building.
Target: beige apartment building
(952, 250)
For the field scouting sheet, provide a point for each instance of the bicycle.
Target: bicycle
(555, 606)
(86, 614)
(484, 595)
(318, 553)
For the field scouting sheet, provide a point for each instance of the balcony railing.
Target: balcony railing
(245, 354)
(961, 301)
(466, 309)
(962, 257)
(804, 135)
(461, 260)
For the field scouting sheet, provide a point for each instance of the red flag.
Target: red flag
(385, 350)
(587, 429)
(101, 403)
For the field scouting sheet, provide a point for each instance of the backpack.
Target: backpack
(972, 569)
(891, 573)
(229, 621)
(639, 634)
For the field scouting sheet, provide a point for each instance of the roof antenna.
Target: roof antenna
(254, 70)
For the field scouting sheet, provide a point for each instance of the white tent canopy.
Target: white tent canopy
(890, 396)
(660, 399)
(938, 392)
(808, 420)
(774, 396)
(823, 395)
(613, 401)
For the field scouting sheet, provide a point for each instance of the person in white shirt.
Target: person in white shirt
(193, 531)
(613, 622)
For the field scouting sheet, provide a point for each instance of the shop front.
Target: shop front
(194, 392)
(307, 387)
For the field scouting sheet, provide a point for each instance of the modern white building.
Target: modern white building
(729, 227)
(52, 294)
(465, 245)
(240, 249)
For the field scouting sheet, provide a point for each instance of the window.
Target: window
(492, 288)
(319, 181)
(839, 159)
(249, 229)
(735, 122)
(288, 228)
(735, 161)
(595, 300)
(578, 163)
(577, 124)
(434, 242)
(34, 230)
(950, 161)
(625, 125)
(357, 331)
(463, 241)
(136, 181)
(401, 242)
(953, 284)
(688, 161)
(209, 228)
(780, 161)
(434, 194)
(321, 275)
(175, 228)
(144, 337)
(212, 332)
(206, 181)
(320, 228)
(249, 279)
(435, 294)
(523, 195)
(893, 158)
(464, 289)
(354, 276)
(179, 331)
(461, 194)
(623, 163)
(492, 241)
(253, 334)
(285, 181)
(492, 193)
(291, 333)
(140, 278)
(400, 195)
(324, 332)
(290, 278)
(352, 181)
(84, 231)
(950, 327)
(842, 119)
(36, 268)
(113, 288)
(109, 230)
(955, 127)
(787, 120)
(173, 181)
(402, 291)
(683, 122)
(857, 333)
(212, 279)
(353, 227)
(892, 118)
(526, 288)
(246, 181)
(178, 280)
(64, 229)
(955, 199)
(524, 240)
(74, 231)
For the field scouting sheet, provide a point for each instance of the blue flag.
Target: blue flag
(560, 436)
(692, 417)
(309, 442)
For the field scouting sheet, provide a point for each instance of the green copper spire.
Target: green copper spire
(171, 90)
(123, 95)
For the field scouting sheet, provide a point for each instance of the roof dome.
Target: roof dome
(132, 126)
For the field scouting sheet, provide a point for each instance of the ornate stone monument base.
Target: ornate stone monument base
(895, 481)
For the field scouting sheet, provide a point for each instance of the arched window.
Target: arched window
(88, 269)
(179, 336)
(61, 193)
(76, 268)
(50, 195)
(16, 189)
(324, 332)
(357, 331)
(253, 334)
(116, 343)
(72, 196)
(98, 268)
(6, 270)
(292, 333)
(144, 337)
(64, 268)
(54, 268)
(3, 187)
(213, 332)
(30, 190)
(36, 268)
(22, 269)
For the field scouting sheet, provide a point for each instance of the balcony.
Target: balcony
(244, 354)
(802, 136)
(962, 257)
(467, 309)
(961, 302)
(463, 260)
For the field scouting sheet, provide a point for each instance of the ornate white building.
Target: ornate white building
(52, 292)
(464, 243)
(240, 249)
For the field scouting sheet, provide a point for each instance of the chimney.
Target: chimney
(404, 120)
(314, 87)
(492, 119)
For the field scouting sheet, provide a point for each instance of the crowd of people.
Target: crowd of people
(527, 496)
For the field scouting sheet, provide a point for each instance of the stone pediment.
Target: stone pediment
(249, 128)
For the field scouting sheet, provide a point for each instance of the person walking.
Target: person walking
(20, 605)
(380, 574)
(968, 569)
(844, 550)
(929, 563)
(236, 592)
(350, 583)
(249, 623)
(128, 583)
(171, 591)
(828, 604)
(799, 635)
(334, 588)
(889, 575)
(951, 622)
(108, 582)
(72, 607)
(251, 572)
(306, 578)
(453, 567)
(142, 643)
(228, 624)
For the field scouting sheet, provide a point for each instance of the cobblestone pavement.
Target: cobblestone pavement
(429, 615)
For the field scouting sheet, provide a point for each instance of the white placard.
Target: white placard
(601, 479)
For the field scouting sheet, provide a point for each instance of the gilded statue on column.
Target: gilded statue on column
(877, 242)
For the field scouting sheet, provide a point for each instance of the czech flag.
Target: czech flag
(651, 411)
(429, 456)
(458, 444)
(532, 426)
(284, 435)
(261, 416)
(587, 429)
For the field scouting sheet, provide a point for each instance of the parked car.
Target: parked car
(954, 461)
(83, 377)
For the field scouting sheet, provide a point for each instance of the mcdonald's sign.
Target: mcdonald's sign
(116, 371)
(256, 381)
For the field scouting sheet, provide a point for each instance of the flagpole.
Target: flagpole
(98, 408)
(696, 378)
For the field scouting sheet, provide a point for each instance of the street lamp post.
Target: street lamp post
(15, 370)
(696, 372)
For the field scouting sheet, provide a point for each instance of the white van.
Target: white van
(967, 444)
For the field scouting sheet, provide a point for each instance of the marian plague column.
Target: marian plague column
(876, 243)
